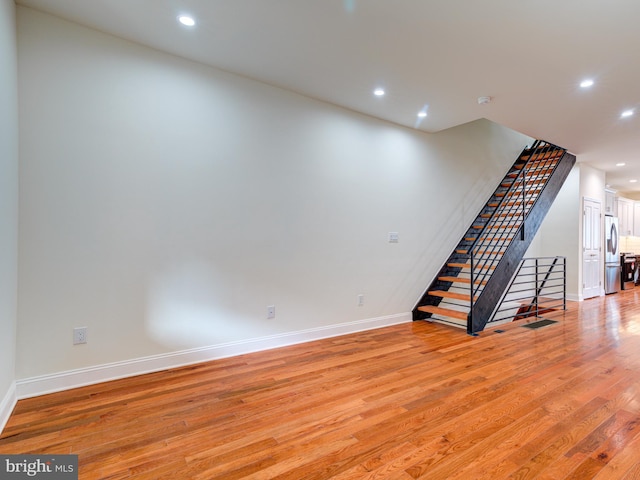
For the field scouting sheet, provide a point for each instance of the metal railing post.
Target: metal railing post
(536, 296)
(524, 199)
(470, 317)
(564, 283)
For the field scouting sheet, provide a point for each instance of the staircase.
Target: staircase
(475, 276)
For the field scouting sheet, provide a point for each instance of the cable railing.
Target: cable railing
(539, 286)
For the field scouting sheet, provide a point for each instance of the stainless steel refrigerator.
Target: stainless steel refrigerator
(612, 258)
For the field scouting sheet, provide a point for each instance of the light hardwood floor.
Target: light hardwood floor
(412, 401)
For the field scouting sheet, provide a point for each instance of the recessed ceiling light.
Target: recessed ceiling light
(186, 20)
(422, 114)
(586, 83)
(620, 164)
(626, 113)
(378, 92)
(633, 180)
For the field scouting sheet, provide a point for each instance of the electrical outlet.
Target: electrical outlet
(271, 311)
(79, 335)
(360, 300)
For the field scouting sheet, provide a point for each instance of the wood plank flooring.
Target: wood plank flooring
(414, 401)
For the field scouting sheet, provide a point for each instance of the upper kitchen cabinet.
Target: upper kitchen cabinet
(625, 216)
(636, 219)
(610, 207)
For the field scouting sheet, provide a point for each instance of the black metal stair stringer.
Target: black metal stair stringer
(505, 269)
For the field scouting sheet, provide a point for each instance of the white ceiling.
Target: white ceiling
(528, 55)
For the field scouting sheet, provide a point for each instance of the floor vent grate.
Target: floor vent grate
(538, 324)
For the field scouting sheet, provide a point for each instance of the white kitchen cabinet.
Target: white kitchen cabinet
(610, 206)
(636, 219)
(625, 216)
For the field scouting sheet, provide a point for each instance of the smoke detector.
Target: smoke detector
(484, 100)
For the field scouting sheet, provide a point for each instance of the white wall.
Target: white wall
(592, 183)
(8, 206)
(561, 231)
(563, 234)
(165, 204)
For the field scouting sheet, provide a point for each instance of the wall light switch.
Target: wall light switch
(271, 311)
(393, 237)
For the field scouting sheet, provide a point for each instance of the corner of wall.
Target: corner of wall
(7, 404)
(8, 207)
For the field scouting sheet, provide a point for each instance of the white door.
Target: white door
(591, 248)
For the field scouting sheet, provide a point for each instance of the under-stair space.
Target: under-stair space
(538, 287)
(476, 275)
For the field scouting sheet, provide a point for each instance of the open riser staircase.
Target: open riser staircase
(477, 273)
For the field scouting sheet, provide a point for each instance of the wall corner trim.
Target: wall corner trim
(7, 405)
(41, 385)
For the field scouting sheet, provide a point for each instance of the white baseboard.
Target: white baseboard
(41, 385)
(572, 297)
(7, 405)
